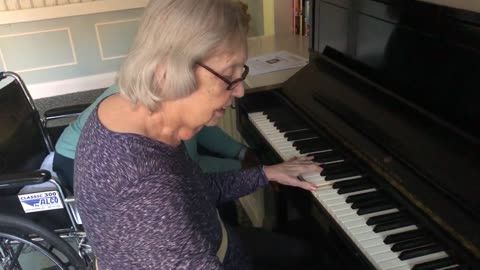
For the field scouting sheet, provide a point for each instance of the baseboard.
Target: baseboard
(56, 88)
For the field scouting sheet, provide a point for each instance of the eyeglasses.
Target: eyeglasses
(230, 84)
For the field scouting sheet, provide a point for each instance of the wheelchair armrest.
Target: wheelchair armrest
(14, 180)
(64, 112)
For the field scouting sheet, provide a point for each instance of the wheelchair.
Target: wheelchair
(39, 224)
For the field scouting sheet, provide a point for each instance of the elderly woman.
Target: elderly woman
(144, 203)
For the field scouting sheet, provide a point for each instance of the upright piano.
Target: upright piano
(388, 105)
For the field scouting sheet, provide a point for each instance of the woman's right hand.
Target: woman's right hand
(286, 173)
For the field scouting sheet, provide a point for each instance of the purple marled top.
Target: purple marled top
(146, 204)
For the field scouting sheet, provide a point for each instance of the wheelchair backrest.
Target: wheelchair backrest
(23, 140)
(24, 144)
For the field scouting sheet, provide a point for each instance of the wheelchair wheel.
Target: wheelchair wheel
(26, 245)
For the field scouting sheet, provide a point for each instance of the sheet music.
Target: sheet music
(274, 61)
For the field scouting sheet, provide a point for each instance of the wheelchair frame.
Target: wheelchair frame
(16, 232)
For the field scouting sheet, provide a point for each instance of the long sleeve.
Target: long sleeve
(216, 140)
(161, 224)
(235, 184)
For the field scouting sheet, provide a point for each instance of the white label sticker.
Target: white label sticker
(40, 201)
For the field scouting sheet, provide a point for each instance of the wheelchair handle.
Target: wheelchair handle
(14, 180)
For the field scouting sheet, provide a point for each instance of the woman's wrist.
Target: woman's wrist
(267, 171)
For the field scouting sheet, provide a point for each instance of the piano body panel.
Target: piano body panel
(394, 149)
(370, 157)
(391, 87)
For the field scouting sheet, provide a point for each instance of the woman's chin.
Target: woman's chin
(213, 121)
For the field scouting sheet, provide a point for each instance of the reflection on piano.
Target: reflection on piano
(386, 105)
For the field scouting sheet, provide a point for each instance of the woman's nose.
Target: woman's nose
(239, 90)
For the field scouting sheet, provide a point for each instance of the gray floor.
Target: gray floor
(44, 104)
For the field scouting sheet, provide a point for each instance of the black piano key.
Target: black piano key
(340, 175)
(288, 122)
(279, 114)
(278, 110)
(289, 126)
(300, 135)
(368, 203)
(421, 251)
(363, 196)
(351, 189)
(346, 166)
(327, 156)
(310, 142)
(404, 236)
(436, 264)
(349, 183)
(376, 208)
(412, 243)
(284, 117)
(400, 223)
(336, 165)
(385, 218)
(313, 149)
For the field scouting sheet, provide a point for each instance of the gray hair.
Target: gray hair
(173, 35)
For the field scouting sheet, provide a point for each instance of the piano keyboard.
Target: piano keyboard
(384, 232)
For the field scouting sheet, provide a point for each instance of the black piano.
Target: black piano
(388, 104)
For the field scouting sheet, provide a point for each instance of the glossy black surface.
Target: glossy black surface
(426, 54)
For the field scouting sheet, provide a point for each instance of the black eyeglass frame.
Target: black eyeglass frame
(230, 84)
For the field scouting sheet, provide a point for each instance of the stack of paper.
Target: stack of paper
(274, 62)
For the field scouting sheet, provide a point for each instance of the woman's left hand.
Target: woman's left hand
(286, 173)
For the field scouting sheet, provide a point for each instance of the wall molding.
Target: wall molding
(4, 65)
(81, 84)
(99, 38)
(70, 40)
(60, 11)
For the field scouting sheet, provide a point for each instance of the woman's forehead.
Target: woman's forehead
(229, 55)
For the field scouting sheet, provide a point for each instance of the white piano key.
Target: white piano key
(354, 224)
(366, 236)
(327, 197)
(385, 256)
(335, 201)
(371, 242)
(345, 212)
(315, 174)
(382, 248)
(361, 229)
(325, 192)
(340, 207)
